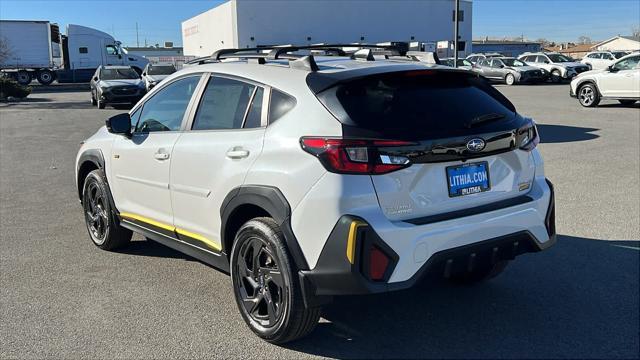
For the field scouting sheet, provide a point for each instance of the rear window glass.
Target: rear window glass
(418, 104)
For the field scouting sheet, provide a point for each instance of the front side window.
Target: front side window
(513, 62)
(112, 50)
(165, 110)
(557, 58)
(628, 63)
(497, 63)
(224, 104)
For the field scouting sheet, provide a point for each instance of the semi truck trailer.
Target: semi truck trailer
(37, 50)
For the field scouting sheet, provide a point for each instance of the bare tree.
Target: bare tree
(584, 40)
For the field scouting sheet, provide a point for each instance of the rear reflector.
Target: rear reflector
(355, 156)
(378, 263)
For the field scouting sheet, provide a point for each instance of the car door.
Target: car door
(93, 84)
(622, 80)
(140, 165)
(498, 69)
(214, 156)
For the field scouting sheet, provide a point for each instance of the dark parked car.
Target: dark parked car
(116, 85)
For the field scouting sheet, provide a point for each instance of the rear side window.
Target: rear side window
(417, 105)
(223, 105)
(280, 104)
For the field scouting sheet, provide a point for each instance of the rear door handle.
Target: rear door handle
(161, 155)
(237, 153)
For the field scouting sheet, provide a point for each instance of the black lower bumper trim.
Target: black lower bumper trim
(472, 211)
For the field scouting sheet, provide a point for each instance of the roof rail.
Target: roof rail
(306, 61)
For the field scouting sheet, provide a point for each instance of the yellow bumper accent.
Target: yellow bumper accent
(183, 232)
(351, 240)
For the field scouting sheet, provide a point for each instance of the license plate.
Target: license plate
(468, 179)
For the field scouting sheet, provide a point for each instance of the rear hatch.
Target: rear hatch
(464, 145)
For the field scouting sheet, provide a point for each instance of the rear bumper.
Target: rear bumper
(439, 250)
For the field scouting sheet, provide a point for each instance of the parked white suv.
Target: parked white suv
(602, 59)
(560, 67)
(620, 81)
(311, 177)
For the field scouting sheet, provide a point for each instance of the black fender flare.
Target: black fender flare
(90, 155)
(271, 200)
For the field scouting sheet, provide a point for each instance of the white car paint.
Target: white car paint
(185, 188)
(599, 60)
(623, 84)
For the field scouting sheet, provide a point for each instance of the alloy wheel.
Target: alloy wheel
(95, 213)
(586, 95)
(260, 283)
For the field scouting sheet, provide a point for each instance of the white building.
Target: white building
(620, 43)
(251, 23)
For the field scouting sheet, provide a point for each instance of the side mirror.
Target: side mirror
(144, 74)
(501, 66)
(611, 68)
(546, 61)
(95, 78)
(119, 124)
(119, 56)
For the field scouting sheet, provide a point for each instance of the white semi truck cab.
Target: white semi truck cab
(35, 49)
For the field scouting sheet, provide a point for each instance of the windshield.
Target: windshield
(559, 58)
(115, 74)
(513, 62)
(161, 70)
(416, 104)
(619, 54)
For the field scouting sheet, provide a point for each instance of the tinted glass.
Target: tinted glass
(165, 110)
(559, 58)
(280, 104)
(116, 74)
(628, 63)
(497, 63)
(223, 105)
(161, 69)
(254, 115)
(417, 105)
(619, 54)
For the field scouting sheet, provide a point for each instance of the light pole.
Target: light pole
(455, 34)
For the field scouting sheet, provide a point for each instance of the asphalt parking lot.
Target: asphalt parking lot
(62, 297)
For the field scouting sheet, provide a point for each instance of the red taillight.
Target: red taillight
(350, 156)
(528, 136)
(378, 263)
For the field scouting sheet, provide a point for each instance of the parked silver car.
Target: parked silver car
(474, 58)
(559, 66)
(154, 73)
(510, 71)
(113, 84)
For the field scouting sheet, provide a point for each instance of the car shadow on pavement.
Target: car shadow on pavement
(578, 299)
(551, 134)
(618, 105)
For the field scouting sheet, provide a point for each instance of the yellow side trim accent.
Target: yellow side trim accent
(351, 240)
(148, 221)
(200, 238)
(194, 236)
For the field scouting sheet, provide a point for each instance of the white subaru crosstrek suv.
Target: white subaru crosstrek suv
(602, 59)
(620, 81)
(312, 177)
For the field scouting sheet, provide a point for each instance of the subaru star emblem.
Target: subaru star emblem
(475, 145)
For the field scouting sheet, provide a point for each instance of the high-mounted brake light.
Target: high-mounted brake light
(356, 156)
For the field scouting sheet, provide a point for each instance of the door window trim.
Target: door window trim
(266, 95)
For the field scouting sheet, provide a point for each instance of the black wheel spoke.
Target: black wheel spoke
(251, 304)
(257, 248)
(271, 308)
(275, 276)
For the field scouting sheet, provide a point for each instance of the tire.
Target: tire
(23, 77)
(509, 79)
(265, 284)
(101, 220)
(45, 77)
(101, 104)
(556, 76)
(588, 95)
(479, 275)
(627, 102)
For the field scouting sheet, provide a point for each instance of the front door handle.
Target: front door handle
(161, 155)
(237, 153)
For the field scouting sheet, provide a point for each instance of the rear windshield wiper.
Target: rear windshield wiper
(484, 119)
